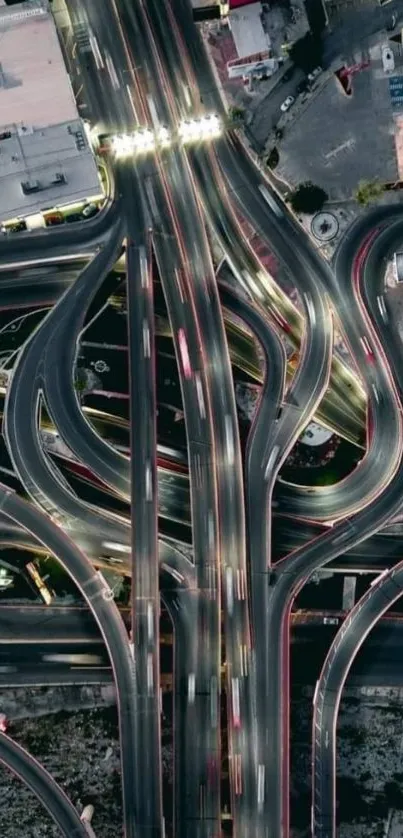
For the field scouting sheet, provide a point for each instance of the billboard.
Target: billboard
(206, 13)
(260, 62)
(237, 4)
(396, 92)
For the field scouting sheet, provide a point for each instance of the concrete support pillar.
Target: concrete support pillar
(349, 584)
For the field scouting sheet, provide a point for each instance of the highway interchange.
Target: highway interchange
(230, 605)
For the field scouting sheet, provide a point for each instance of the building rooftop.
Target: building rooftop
(34, 86)
(45, 157)
(236, 4)
(247, 30)
(43, 168)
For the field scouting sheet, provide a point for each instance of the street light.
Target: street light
(197, 130)
(122, 145)
(162, 137)
(125, 145)
(144, 140)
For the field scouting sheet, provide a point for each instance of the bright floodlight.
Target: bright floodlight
(195, 130)
(144, 140)
(163, 138)
(189, 130)
(212, 125)
(122, 145)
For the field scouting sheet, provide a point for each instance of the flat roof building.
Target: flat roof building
(45, 156)
(252, 43)
(247, 30)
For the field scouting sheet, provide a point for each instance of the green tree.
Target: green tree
(306, 53)
(80, 382)
(308, 198)
(273, 159)
(236, 114)
(393, 795)
(368, 191)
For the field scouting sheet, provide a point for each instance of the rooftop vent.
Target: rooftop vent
(29, 186)
(25, 129)
(59, 178)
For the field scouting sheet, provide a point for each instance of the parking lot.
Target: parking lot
(336, 140)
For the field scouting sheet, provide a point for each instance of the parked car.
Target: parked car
(90, 210)
(288, 74)
(288, 102)
(314, 75)
(19, 227)
(388, 59)
(301, 87)
(53, 220)
(74, 216)
(330, 621)
(392, 23)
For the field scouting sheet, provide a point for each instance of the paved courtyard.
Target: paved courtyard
(337, 140)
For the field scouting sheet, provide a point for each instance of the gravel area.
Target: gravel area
(81, 751)
(78, 743)
(369, 762)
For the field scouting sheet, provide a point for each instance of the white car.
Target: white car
(90, 210)
(287, 104)
(388, 60)
(315, 73)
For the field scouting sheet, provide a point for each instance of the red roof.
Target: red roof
(236, 4)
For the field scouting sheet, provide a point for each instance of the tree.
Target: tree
(368, 191)
(236, 114)
(80, 382)
(308, 198)
(393, 795)
(306, 53)
(273, 159)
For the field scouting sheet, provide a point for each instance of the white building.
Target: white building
(251, 41)
(45, 158)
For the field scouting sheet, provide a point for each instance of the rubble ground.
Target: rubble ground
(81, 751)
(73, 732)
(369, 762)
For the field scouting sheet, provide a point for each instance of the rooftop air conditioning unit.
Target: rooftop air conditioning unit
(29, 186)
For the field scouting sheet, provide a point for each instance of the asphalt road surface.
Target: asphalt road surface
(231, 604)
